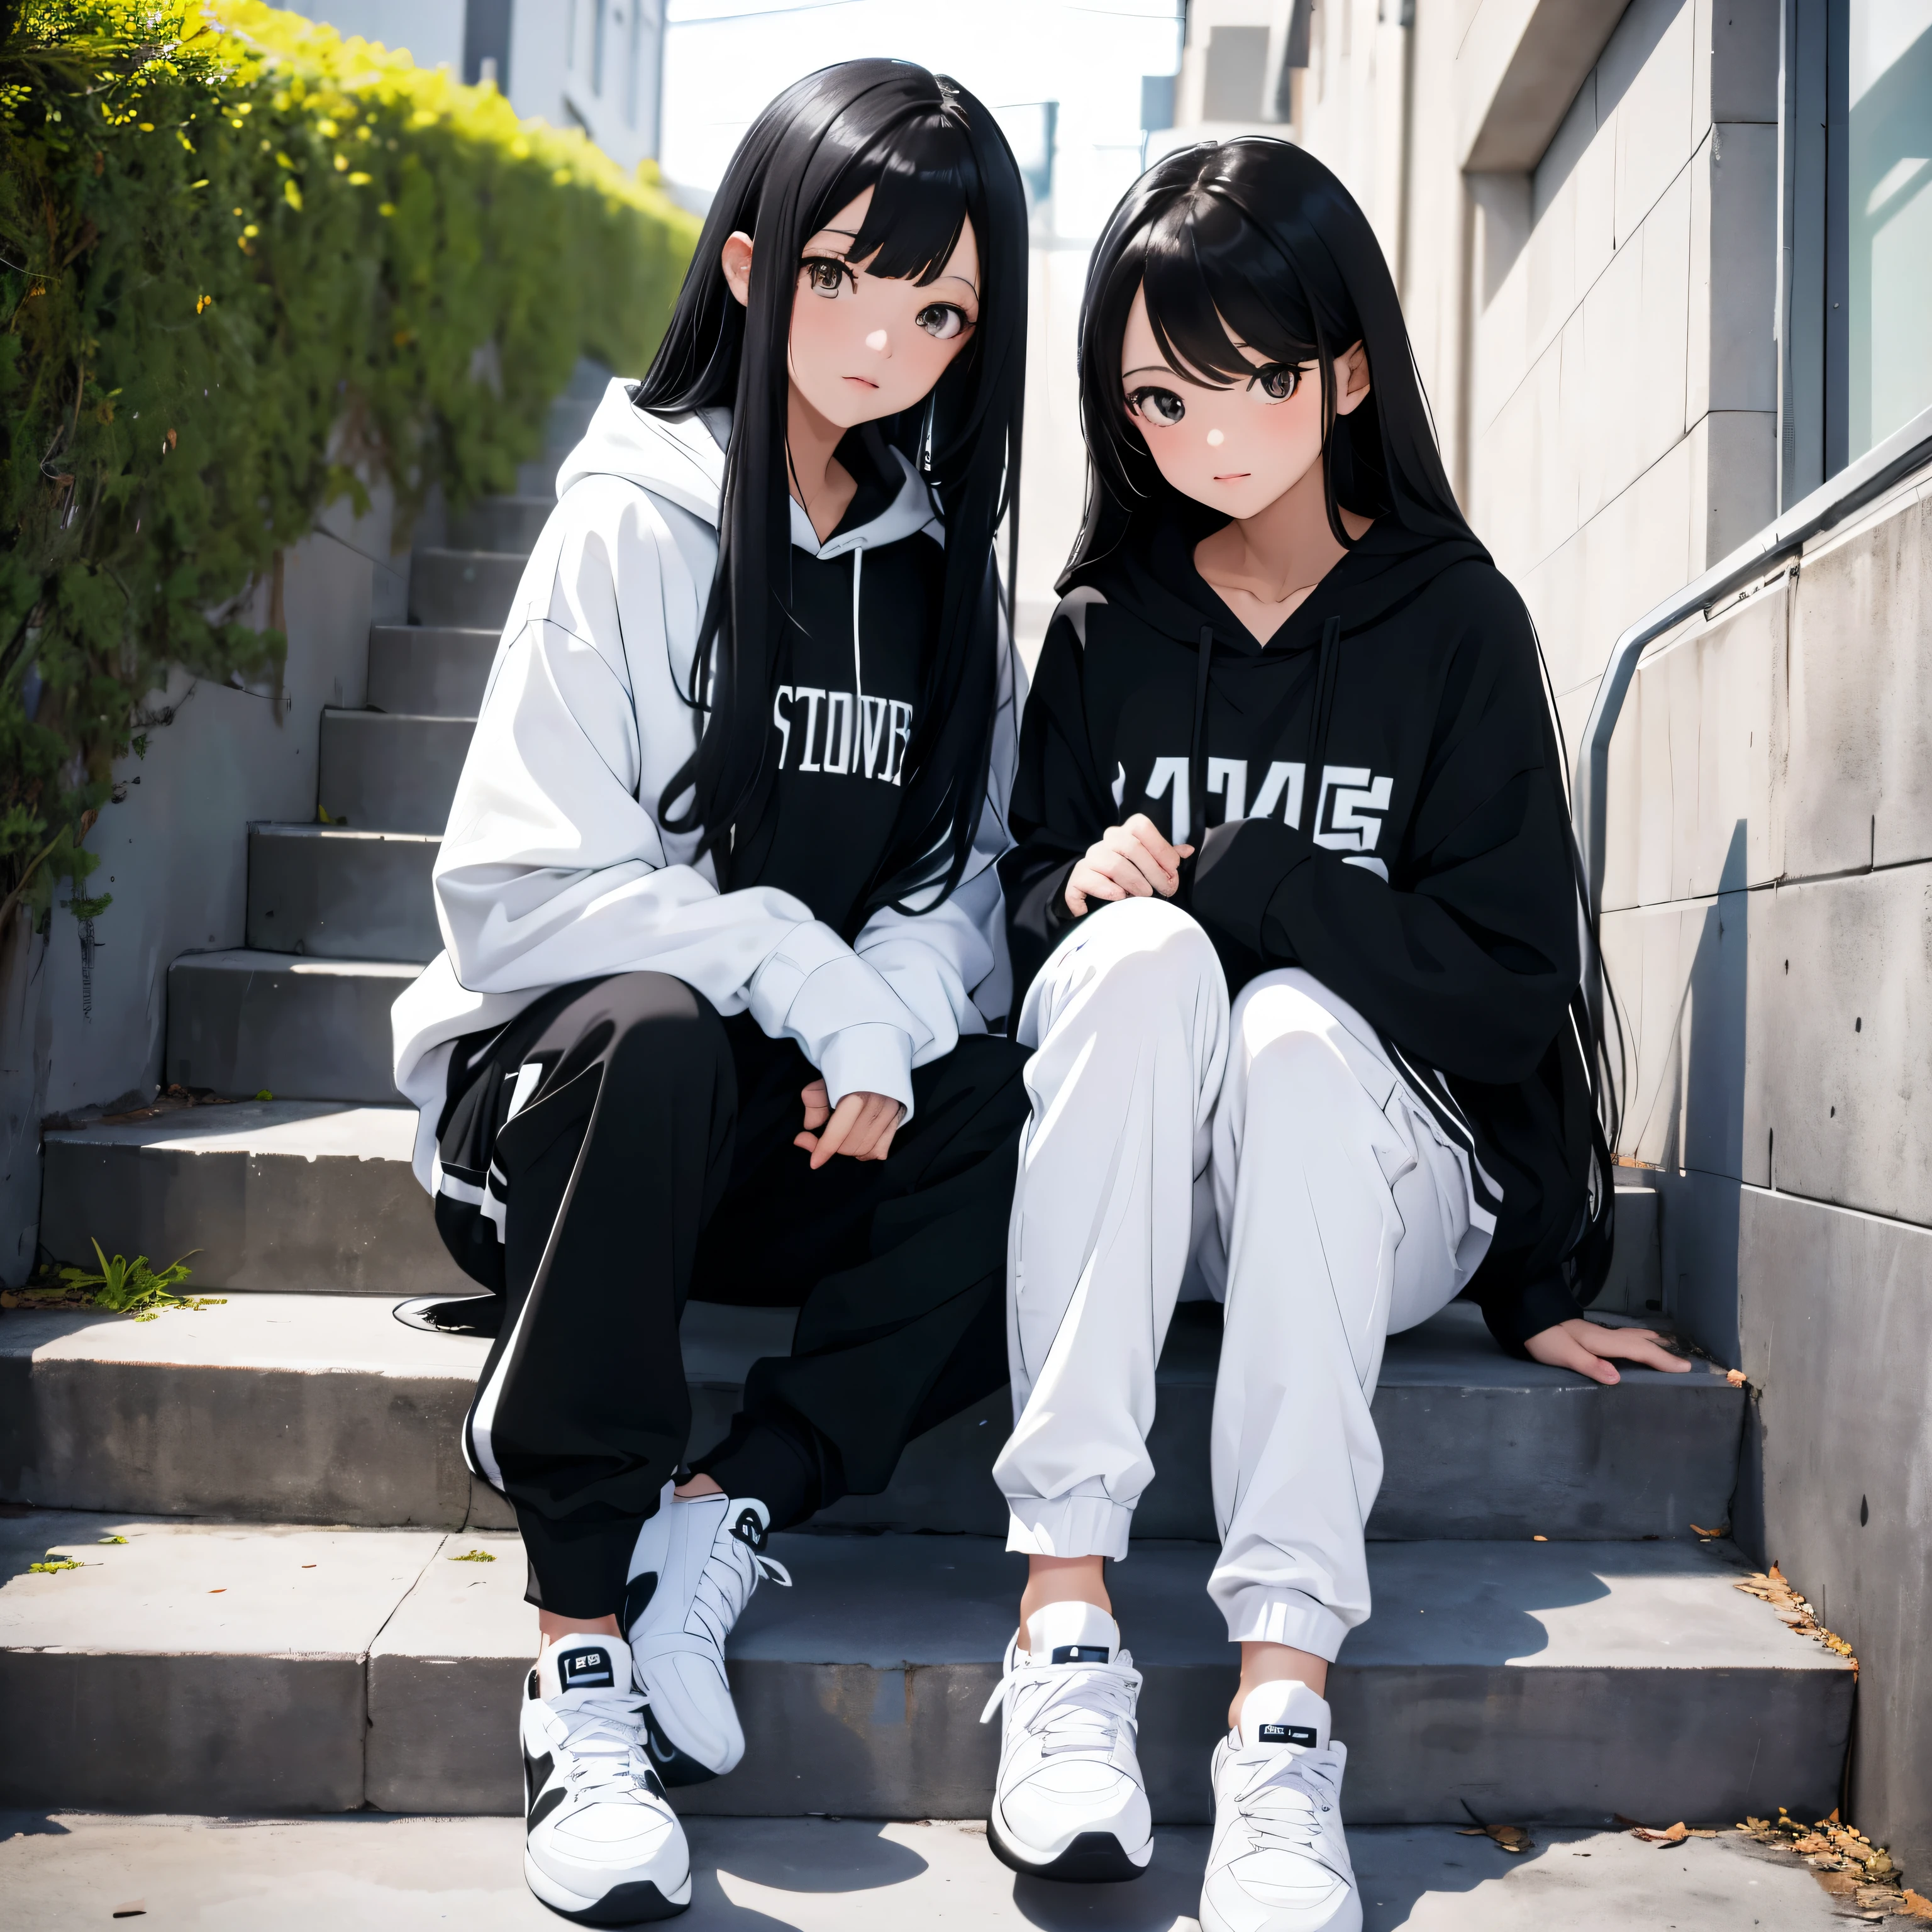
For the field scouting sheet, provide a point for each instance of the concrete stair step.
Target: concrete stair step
(330, 892)
(471, 588)
(301, 1198)
(206, 1667)
(432, 670)
(386, 771)
(510, 525)
(245, 1022)
(291, 1408)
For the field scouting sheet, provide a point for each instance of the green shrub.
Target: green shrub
(245, 264)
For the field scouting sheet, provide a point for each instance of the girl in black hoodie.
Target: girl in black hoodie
(1294, 927)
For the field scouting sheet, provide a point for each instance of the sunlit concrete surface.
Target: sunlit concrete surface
(60, 1870)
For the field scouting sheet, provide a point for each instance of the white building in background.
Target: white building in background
(595, 64)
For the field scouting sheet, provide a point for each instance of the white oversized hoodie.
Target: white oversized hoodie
(555, 868)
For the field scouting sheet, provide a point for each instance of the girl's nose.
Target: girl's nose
(876, 341)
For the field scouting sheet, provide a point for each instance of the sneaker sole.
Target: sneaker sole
(1093, 1858)
(638, 1902)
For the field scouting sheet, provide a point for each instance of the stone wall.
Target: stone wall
(82, 1010)
(1767, 927)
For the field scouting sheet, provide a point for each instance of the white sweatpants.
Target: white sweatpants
(1272, 1159)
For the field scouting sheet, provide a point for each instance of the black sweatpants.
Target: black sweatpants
(651, 1160)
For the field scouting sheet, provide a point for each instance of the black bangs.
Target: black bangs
(935, 159)
(1201, 293)
(923, 184)
(1254, 240)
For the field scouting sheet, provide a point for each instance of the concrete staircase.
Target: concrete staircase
(292, 1624)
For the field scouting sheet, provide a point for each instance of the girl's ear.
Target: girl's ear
(1351, 376)
(735, 258)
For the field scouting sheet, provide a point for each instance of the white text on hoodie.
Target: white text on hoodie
(876, 751)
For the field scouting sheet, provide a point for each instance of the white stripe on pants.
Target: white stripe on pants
(1273, 1159)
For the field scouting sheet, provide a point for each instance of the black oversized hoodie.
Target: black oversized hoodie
(1383, 807)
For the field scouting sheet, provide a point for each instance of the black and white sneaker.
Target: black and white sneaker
(695, 1566)
(601, 1845)
(452, 1314)
(1069, 1802)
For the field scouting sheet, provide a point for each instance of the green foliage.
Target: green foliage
(55, 1564)
(124, 1288)
(246, 266)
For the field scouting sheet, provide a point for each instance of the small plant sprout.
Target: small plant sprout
(127, 1288)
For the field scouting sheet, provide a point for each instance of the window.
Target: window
(1856, 280)
(1887, 224)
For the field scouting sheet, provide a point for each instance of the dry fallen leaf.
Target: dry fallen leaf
(1672, 1834)
(1511, 1837)
(1917, 1905)
(222, 1592)
(1539, 1539)
(135, 1908)
(1736, 1377)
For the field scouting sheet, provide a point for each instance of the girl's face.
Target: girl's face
(865, 346)
(1238, 449)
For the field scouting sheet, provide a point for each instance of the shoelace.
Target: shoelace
(731, 1573)
(1282, 1807)
(1070, 1706)
(602, 1732)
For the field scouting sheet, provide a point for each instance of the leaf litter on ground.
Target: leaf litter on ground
(1771, 1586)
(1848, 1864)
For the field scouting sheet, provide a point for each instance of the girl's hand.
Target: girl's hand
(863, 1126)
(1583, 1346)
(1130, 861)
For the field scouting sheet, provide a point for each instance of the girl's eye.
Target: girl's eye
(826, 278)
(1278, 381)
(1160, 405)
(942, 321)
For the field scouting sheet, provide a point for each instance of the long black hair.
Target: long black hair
(935, 159)
(1256, 238)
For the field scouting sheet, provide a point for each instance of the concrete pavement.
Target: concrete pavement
(381, 1874)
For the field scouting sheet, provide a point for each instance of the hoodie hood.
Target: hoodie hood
(1153, 573)
(681, 459)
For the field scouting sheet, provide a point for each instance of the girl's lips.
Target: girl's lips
(1235, 476)
(864, 382)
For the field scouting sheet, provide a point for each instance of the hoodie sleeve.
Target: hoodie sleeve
(1468, 956)
(950, 965)
(1059, 804)
(554, 868)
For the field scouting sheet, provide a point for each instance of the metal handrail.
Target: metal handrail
(1886, 464)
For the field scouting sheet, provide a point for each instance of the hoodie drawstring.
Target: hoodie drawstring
(1197, 770)
(858, 683)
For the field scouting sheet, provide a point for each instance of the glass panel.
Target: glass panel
(1888, 219)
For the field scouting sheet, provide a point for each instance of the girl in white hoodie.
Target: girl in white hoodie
(723, 934)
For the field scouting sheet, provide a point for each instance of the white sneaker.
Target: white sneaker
(1279, 1862)
(693, 1571)
(1069, 1802)
(601, 1844)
